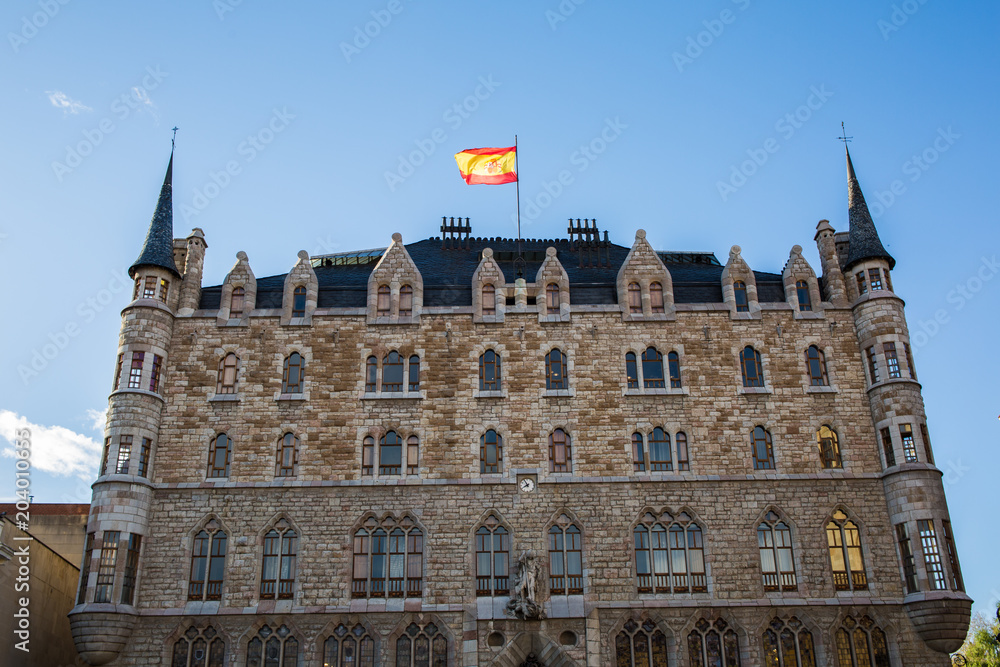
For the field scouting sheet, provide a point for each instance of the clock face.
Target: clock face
(527, 484)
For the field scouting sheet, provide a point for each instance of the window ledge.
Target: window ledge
(556, 393)
(225, 398)
(299, 321)
(127, 479)
(821, 389)
(491, 393)
(658, 391)
(301, 396)
(888, 381)
(144, 392)
(755, 390)
(394, 395)
(652, 317)
(808, 314)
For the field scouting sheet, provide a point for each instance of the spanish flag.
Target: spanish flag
(488, 166)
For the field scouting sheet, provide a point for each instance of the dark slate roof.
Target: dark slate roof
(447, 275)
(864, 240)
(158, 249)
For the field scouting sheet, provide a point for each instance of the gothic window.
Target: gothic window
(124, 454)
(422, 647)
(740, 293)
(164, 289)
(491, 453)
(299, 302)
(135, 370)
(932, 555)
(844, 542)
(560, 454)
(565, 558)
(144, 457)
(288, 455)
(277, 578)
(412, 455)
(909, 361)
(862, 285)
(683, 463)
(237, 303)
(949, 543)
(751, 368)
(382, 304)
(492, 558)
(131, 568)
(656, 297)
(219, 455)
(196, 648)
(763, 452)
(272, 648)
(555, 370)
(659, 450)
(829, 447)
(774, 539)
(405, 301)
(816, 365)
(631, 371)
(909, 447)
(208, 563)
(674, 367)
(88, 554)
(906, 553)
(634, 299)
(713, 645)
(413, 380)
(802, 292)
(227, 374)
(392, 372)
(388, 560)
(367, 455)
(106, 566)
(788, 644)
(293, 374)
(390, 454)
(640, 646)
(371, 374)
(489, 300)
(861, 644)
(652, 368)
(638, 453)
(489, 371)
(154, 375)
(118, 371)
(552, 299)
(875, 279)
(872, 364)
(349, 648)
(669, 555)
(890, 455)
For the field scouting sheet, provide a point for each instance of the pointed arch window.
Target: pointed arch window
(349, 648)
(388, 560)
(669, 555)
(273, 648)
(219, 455)
(367, 456)
(413, 378)
(237, 303)
(631, 371)
(740, 294)
(208, 564)
(371, 374)
(763, 452)
(565, 558)
(491, 453)
(390, 454)
(560, 454)
(383, 305)
(683, 462)
(277, 580)
(552, 299)
(846, 560)
(556, 376)
(640, 645)
(634, 299)
(405, 301)
(489, 300)
(751, 368)
(288, 456)
(816, 365)
(299, 302)
(674, 366)
(861, 644)
(652, 368)
(199, 648)
(656, 297)
(788, 644)
(392, 372)
(713, 645)
(774, 540)
(422, 647)
(659, 450)
(412, 455)
(802, 292)
(228, 366)
(638, 453)
(492, 558)
(293, 374)
(489, 371)
(829, 447)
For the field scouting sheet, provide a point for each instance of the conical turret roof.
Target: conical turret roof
(158, 248)
(864, 241)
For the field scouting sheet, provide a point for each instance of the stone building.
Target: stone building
(479, 451)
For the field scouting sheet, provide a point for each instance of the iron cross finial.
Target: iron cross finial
(844, 138)
(172, 141)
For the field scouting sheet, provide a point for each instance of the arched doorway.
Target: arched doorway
(530, 649)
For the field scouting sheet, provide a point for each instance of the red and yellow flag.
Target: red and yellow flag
(488, 166)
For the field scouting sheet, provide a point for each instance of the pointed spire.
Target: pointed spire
(864, 240)
(158, 249)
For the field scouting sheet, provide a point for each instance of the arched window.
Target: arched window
(774, 539)
(413, 383)
(560, 453)
(552, 299)
(277, 573)
(674, 366)
(631, 371)
(199, 648)
(489, 371)
(861, 644)
(565, 558)
(367, 456)
(492, 558)
(219, 455)
(788, 644)
(383, 307)
(659, 450)
(422, 647)
(237, 302)
(713, 645)
(740, 293)
(390, 454)
(491, 453)
(405, 301)
(750, 366)
(640, 646)
(816, 365)
(763, 452)
(272, 648)
(829, 448)
(227, 374)
(489, 300)
(656, 297)
(555, 370)
(638, 453)
(299, 302)
(288, 456)
(802, 292)
(349, 648)
(412, 455)
(844, 541)
(388, 560)
(371, 374)
(208, 564)
(293, 374)
(669, 555)
(634, 298)
(652, 368)
(683, 463)
(392, 372)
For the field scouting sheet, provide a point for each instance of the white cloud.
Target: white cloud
(98, 419)
(142, 97)
(54, 449)
(61, 100)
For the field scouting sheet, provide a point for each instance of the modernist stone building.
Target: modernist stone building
(479, 451)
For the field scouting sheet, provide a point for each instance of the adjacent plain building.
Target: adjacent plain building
(485, 451)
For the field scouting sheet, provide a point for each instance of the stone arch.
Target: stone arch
(422, 620)
(200, 625)
(546, 651)
(349, 621)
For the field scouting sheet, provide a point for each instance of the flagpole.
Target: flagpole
(517, 190)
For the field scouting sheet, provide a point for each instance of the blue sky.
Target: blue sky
(334, 138)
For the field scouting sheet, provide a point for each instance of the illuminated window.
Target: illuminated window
(788, 644)
(829, 447)
(846, 560)
(861, 644)
(640, 645)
